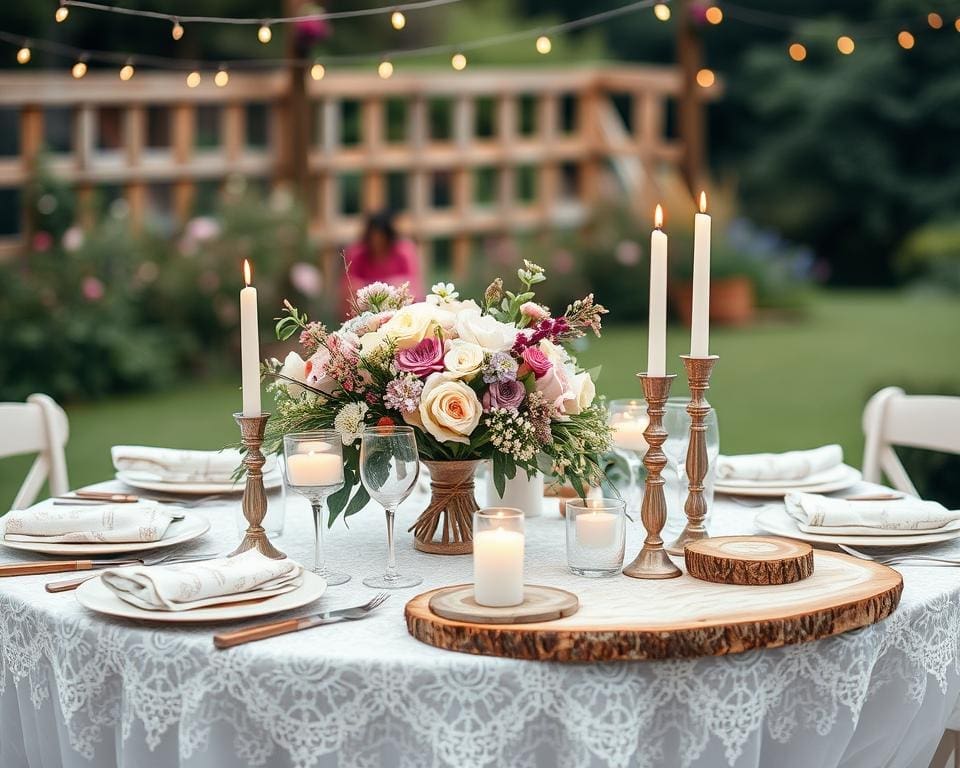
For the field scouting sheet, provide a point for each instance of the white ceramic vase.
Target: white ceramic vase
(523, 493)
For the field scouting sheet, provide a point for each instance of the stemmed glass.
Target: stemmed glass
(628, 419)
(389, 467)
(314, 468)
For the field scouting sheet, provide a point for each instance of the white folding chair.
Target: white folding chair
(916, 421)
(37, 426)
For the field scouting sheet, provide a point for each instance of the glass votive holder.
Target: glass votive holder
(498, 556)
(596, 536)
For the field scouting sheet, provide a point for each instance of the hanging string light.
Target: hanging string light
(797, 51)
(177, 31)
(845, 45)
(935, 20)
(544, 45)
(317, 71)
(706, 78)
(906, 40)
(221, 78)
(398, 20)
(385, 70)
(193, 79)
(714, 14)
(61, 14)
(264, 34)
(662, 11)
(79, 69)
(458, 62)
(956, 23)
(23, 55)
(127, 71)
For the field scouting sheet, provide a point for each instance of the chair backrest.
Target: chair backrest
(37, 426)
(917, 421)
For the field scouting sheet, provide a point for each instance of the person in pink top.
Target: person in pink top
(382, 256)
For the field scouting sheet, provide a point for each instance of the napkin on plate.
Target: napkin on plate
(814, 512)
(247, 576)
(792, 465)
(172, 465)
(100, 523)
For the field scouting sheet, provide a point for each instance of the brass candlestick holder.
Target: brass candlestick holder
(695, 507)
(652, 561)
(254, 496)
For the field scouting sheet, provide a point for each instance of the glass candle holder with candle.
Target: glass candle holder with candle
(628, 419)
(498, 540)
(596, 536)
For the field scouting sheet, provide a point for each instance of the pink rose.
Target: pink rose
(535, 360)
(556, 387)
(315, 371)
(534, 311)
(424, 358)
(504, 394)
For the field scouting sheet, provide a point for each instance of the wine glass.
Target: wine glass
(314, 469)
(628, 419)
(389, 467)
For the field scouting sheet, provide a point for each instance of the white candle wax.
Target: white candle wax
(628, 435)
(596, 530)
(314, 469)
(498, 567)
(249, 347)
(700, 320)
(657, 331)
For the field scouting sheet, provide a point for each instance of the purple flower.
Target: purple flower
(504, 394)
(403, 394)
(423, 359)
(500, 367)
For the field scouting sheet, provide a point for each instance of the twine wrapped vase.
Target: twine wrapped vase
(446, 526)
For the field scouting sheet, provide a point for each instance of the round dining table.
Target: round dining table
(81, 690)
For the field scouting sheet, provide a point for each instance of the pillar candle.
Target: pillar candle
(628, 434)
(249, 346)
(657, 338)
(498, 567)
(700, 321)
(596, 530)
(314, 469)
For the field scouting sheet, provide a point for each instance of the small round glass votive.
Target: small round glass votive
(596, 536)
(498, 556)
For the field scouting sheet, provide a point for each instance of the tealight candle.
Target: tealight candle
(596, 529)
(498, 557)
(314, 469)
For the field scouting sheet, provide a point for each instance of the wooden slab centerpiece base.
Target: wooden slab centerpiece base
(539, 604)
(749, 560)
(637, 619)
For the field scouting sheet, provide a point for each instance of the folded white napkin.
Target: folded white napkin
(172, 465)
(247, 576)
(792, 465)
(813, 511)
(99, 523)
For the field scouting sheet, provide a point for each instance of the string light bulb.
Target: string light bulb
(127, 72)
(797, 51)
(177, 31)
(662, 11)
(317, 71)
(221, 78)
(714, 14)
(397, 20)
(385, 70)
(23, 55)
(956, 23)
(79, 69)
(193, 79)
(264, 34)
(544, 45)
(458, 62)
(905, 39)
(935, 20)
(61, 14)
(845, 45)
(706, 78)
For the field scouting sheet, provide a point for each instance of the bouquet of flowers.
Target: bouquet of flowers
(478, 380)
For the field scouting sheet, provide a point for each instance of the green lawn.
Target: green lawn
(777, 385)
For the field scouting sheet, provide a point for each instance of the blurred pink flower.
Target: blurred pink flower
(533, 310)
(202, 228)
(42, 241)
(72, 239)
(563, 262)
(306, 278)
(698, 12)
(312, 31)
(92, 289)
(147, 272)
(628, 253)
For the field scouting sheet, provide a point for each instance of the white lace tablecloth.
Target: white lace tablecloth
(82, 690)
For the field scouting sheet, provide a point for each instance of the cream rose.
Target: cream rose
(555, 353)
(449, 410)
(410, 325)
(294, 367)
(584, 390)
(484, 330)
(371, 342)
(463, 359)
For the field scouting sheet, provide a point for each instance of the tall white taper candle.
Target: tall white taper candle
(657, 330)
(700, 321)
(249, 346)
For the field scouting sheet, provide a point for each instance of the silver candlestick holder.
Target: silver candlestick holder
(254, 495)
(695, 507)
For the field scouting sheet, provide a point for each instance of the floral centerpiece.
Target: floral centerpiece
(478, 380)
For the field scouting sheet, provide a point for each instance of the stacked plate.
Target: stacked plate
(829, 480)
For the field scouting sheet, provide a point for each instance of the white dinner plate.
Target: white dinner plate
(270, 480)
(96, 597)
(775, 519)
(179, 531)
(843, 477)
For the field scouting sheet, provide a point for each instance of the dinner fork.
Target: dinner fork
(65, 585)
(899, 559)
(285, 626)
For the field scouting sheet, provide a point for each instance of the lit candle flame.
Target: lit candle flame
(247, 277)
(658, 217)
(703, 202)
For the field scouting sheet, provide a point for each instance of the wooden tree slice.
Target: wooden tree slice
(635, 619)
(539, 604)
(749, 560)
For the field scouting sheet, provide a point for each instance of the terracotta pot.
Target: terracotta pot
(732, 300)
(450, 511)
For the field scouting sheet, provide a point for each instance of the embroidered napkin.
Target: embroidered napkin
(792, 465)
(247, 576)
(100, 523)
(172, 465)
(818, 513)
